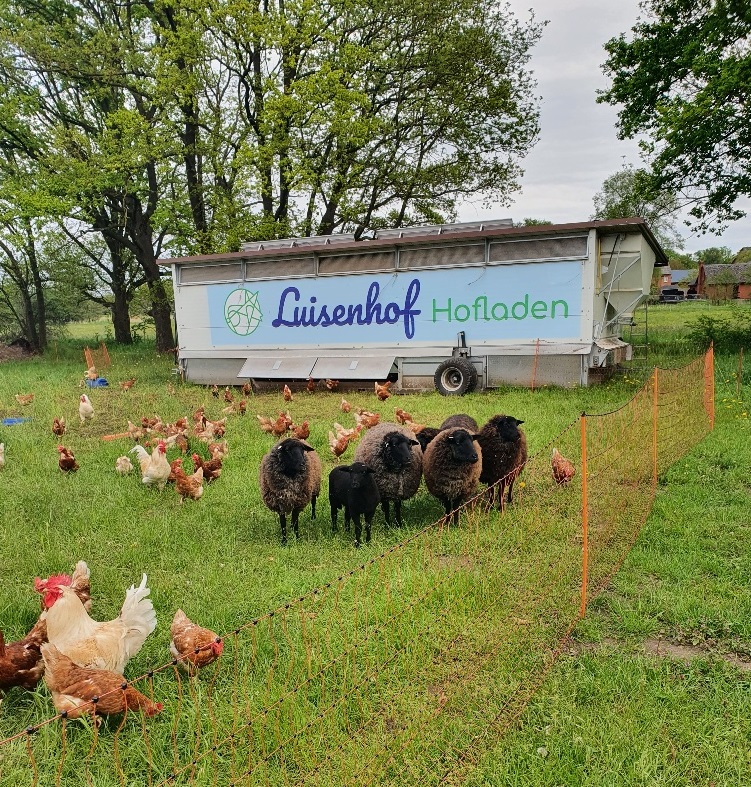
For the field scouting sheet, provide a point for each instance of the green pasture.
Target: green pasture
(609, 712)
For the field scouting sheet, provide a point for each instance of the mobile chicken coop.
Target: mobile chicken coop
(452, 307)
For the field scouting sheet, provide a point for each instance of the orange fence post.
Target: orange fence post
(585, 517)
(534, 364)
(709, 384)
(655, 413)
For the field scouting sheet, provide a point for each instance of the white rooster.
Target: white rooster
(109, 645)
(85, 409)
(155, 468)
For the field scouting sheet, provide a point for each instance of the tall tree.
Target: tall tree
(86, 127)
(682, 80)
(360, 115)
(628, 192)
(190, 127)
(22, 278)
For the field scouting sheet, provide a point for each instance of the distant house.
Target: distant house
(665, 276)
(725, 282)
(682, 279)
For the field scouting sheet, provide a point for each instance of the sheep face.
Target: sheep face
(462, 448)
(290, 454)
(358, 474)
(396, 451)
(506, 426)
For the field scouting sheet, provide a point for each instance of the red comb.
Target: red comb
(40, 585)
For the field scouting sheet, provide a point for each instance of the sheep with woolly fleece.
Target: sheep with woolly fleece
(460, 419)
(353, 488)
(452, 466)
(290, 478)
(396, 458)
(504, 453)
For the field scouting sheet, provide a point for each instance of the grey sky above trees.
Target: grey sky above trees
(578, 147)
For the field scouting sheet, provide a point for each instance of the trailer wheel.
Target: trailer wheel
(455, 377)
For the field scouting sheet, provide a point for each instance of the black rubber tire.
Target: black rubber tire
(455, 377)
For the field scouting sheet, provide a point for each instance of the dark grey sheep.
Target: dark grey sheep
(452, 465)
(504, 452)
(353, 488)
(290, 478)
(396, 458)
(425, 435)
(460, 419)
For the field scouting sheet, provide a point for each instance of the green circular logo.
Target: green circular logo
(242, 312)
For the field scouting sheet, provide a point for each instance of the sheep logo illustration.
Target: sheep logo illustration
(242, 312)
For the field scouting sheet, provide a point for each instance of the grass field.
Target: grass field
(611, 712)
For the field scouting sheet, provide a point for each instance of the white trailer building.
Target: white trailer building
(452, 306)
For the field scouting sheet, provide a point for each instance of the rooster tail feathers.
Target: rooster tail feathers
(138, 615)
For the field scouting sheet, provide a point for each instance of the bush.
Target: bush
(728, 334)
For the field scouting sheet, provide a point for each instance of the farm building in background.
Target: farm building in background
(724, 282)
(452, 307)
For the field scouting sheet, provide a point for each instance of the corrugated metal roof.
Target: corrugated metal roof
(428, 236)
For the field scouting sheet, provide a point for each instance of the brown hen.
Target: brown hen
(67, 462)
(563, 469)
(192, 645)
(21, 662)
(84, 690)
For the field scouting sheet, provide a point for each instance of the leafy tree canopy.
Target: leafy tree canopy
(628, 193)
(682, 80)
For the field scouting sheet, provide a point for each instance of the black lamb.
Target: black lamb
(290, 478)
(396, 458)
(353, 488)
(452, 465)
(504, 452)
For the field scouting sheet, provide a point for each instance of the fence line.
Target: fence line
(397, 671)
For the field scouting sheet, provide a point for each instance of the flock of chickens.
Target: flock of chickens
(154, 467)
(82, 660)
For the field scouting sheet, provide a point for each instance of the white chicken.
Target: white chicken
(123, 465)
(155, 468)
(89, 643)
(85, 409)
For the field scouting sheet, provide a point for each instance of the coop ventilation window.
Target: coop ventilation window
(270, 367)
(203, 274)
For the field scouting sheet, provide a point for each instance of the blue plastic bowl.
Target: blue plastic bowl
(100, 382)
(14, 421)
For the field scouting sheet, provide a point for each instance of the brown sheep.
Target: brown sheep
(504, 453)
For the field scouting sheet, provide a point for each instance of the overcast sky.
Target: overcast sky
(578, 146)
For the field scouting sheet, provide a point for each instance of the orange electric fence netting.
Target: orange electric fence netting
(400, 671)
(99, 359)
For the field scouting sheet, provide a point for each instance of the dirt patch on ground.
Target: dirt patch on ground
(687, 653)
(14, 352)
(664, 649)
